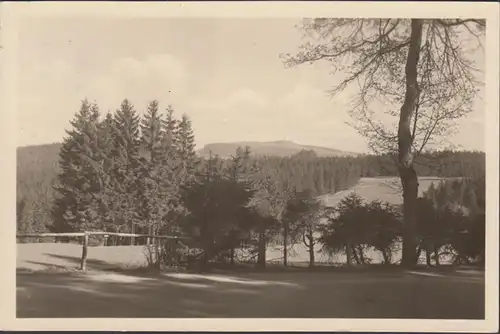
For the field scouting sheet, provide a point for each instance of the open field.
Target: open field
(259, 295)
(105, 292)
(385, 189)
(60, 256)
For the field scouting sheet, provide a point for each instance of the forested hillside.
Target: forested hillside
(38, 166)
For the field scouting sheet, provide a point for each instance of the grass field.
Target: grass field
(259, 295)
(385, 189)
(105, 292)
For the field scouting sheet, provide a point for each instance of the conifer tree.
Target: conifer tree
(170, 129)
(157, 190)
(185, 144)
(77, 180)
(171, 161)
(126, 164)
(95, 159)
(109, 205)
(240, 169)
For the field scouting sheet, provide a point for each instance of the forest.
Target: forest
(138, 172)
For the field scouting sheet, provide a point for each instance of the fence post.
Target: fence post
(83, 266)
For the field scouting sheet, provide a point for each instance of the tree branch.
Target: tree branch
(457, 22)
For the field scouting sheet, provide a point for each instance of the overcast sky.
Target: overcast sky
(224, 73)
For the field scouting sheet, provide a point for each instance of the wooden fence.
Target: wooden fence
(85, 239)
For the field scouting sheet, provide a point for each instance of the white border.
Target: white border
(10, 12)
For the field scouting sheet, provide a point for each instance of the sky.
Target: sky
(225, 74)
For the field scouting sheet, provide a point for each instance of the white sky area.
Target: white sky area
(225, 74)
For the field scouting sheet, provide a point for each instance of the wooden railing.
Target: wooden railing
(85, 236)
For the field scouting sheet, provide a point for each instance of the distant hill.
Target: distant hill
(37, 164)
(280, 148)
(30, 156)
(385, 189)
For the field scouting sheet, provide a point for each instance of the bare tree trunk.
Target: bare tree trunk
(232, 255)
(311, 249)
(348, 252)
(428, 252)
(158, 253)
(310, 246)
(205, 258)
(232, 249)
(419, 252)
(428, 258)
(407, 171)
(385, 255)
(361, 255)
(285, 244)
(132, 239)
(355, 254)
(261, 258)
(436, 255)
(311, 256)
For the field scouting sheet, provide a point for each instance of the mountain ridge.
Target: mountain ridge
(280, 148)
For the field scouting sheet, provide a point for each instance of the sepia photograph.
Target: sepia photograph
(302, 166)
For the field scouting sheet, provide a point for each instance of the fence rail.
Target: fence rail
(85, 235)
(48, 235)
(90, 233)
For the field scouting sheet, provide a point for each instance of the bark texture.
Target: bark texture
(406, 168)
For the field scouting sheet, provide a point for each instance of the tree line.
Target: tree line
(38, 169)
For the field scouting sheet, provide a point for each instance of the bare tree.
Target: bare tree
(423, 66)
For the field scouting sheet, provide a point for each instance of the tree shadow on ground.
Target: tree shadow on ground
(92, 264)
(110, 291)
(174, 295)
(116, 295)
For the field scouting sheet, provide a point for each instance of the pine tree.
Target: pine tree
(173, 165)
(108, 196)
(170, 129)
(218, 208)
(185, 145)
(74, 207)
(152, 134)
(240, 169)
(157, 190)
(126, 164)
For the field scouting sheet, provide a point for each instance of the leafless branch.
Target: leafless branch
(370, 53)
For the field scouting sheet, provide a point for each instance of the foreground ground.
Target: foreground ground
(49, 286)
(424, 295)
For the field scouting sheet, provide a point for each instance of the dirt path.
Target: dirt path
(328, 295)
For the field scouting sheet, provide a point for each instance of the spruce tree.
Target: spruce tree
(108, 196)
(78, 181)
(172, 170)
(156, 189)
(126, 164)
(185, 145)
